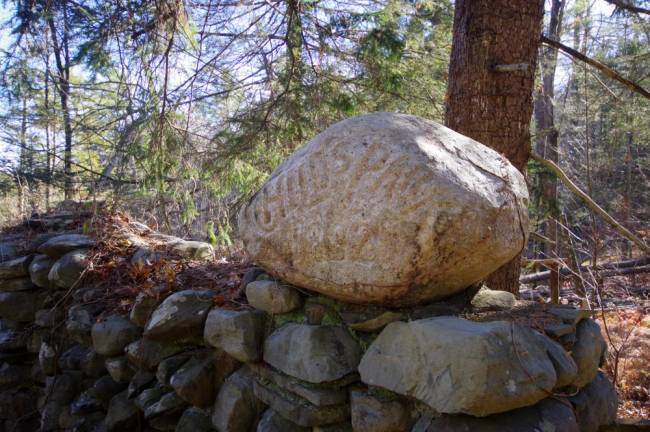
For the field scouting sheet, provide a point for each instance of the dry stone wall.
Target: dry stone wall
(290, 360)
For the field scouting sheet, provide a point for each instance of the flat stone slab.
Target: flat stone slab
(387, 208)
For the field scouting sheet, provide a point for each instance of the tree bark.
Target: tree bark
(487, 101)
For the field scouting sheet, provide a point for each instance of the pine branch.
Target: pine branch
(606, 70)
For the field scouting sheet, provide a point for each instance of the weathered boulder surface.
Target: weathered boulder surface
(451, 364)
(387, 208)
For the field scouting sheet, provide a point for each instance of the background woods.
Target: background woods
(178, 110)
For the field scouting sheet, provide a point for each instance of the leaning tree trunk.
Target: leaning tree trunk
(491, 77)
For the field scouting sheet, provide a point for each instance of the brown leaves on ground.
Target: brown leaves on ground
(121, 282)
(627, 332)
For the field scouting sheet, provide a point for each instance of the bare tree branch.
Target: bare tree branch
(561, 175)
(627, 6)
(606, 70)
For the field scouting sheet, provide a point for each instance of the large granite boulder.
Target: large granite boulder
(387, 208)
(458, 366)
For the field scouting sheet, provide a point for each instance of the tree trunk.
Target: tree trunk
(63, 69)
(546, 142)
(487, 101)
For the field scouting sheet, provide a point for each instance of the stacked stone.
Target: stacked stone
(289, 360)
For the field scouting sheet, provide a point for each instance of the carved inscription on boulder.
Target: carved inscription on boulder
(387, 208)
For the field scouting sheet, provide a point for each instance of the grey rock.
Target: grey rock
(144, 256)
(194, 420)
(48, 318)
(168, 403)
(299, 410)
(595, 405)
(47, 358)
(565, 368)
(20, 305)
(12, 340)
(50, 413)
(72, 358)
(337, 427)
(140, 381)
(58, 246)
(62, 388)
(193, 249)
(369, 414)
(67, 270)
(558, 330)
(149, 396)
(85, 403)
(119, 369)
(588, 351)
(92, 364)
(39, 269)
(387, 208)
(236, 408)
(548, 415)
(18, 284)
(12, 374)
(122, 414)
(273, 422)
(238, 333)
(452, 365)
(15, 268)
(569, 314)
(249, 276)
(194, 381)
(80, 321)
(16, 403)
(104, 388)
(169, 366)
(142, 308)
(8, 251)
(111, 335)
(312, 353)
(147, 354)
(272, 297)
(319, 396)
(180, 318)
(37, 336)
(486, 298)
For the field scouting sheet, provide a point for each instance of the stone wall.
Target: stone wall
(283, 360)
